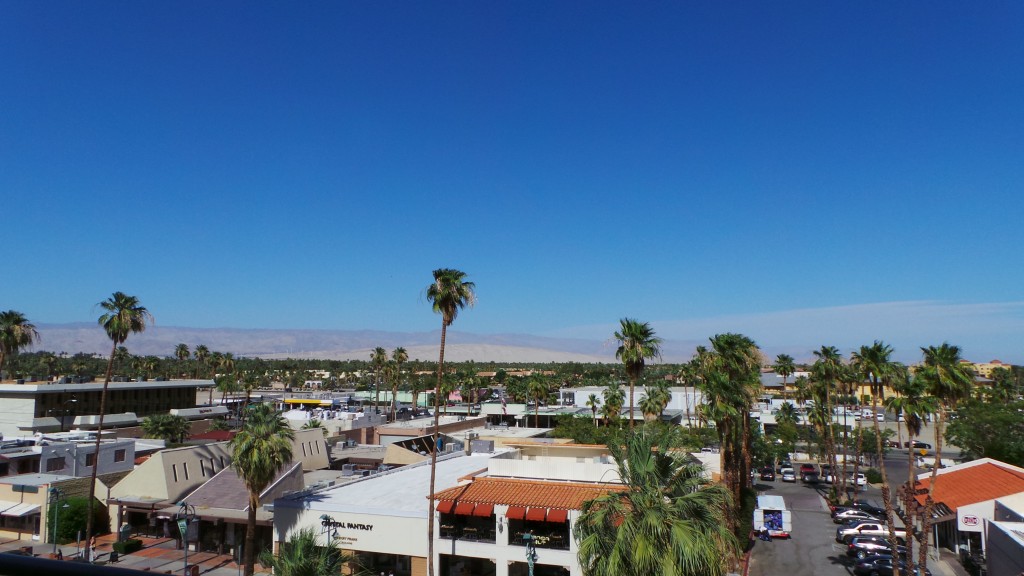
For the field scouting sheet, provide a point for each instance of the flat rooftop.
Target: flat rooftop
(34, 479)
(54, 388)
(401, 492)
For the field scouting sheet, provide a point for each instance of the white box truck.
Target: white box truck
(771, 513)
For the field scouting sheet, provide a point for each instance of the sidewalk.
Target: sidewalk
(158, 555)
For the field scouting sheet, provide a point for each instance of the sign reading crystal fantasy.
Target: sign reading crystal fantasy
(330, 523)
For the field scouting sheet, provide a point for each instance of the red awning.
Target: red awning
(556, 515)
(536, 514)
(445, 506)
(515, 513)
(483, 510)
(464, 508)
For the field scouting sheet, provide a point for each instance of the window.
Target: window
(54, 464)
(174, 471)
(90, 459)
(119, 455)
(202, 468)
(185, 466)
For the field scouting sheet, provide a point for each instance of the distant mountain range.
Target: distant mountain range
(345, 344)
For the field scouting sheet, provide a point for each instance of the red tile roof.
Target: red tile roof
(215, 435)
(527, 493)
(973, 484)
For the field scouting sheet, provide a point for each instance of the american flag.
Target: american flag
(504, 407)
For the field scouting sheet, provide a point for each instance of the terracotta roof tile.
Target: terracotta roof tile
(973, 484)
(512, 492)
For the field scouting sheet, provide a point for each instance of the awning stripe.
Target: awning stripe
(516, 513)
(483, 510)
(557, 515)
(536, 514)
(445, 506)
(464, 508)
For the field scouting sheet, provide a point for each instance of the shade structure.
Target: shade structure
(516, 513)
(557, 515)
(21, 510)
(445, 506)
(536, 514)
(483, 510)
(464, 508)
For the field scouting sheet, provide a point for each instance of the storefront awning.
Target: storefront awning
(445, 506)
(464, 508)
(483, 510)
(515, 513)
(536, 514)
(6, 505)
(557, 515)
(21, 510)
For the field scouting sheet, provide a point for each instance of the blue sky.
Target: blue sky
(805, 172)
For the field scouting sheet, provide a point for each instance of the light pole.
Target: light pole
(64, 415)
(185, 516)
(56, 497)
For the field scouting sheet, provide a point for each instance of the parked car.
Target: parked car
(882, 566)
(860, 480)
(868, 528)
(845, 515)
(862, 547)
(862, 506)
(788, 475)
(807, 467)
(767, 473)
(783, 465)
(809, 477)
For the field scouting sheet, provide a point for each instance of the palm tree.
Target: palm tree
(637, 343)
(874, 364)
(123, 316)
(614, 397)
(378, 358)
(947, 378)
(16, 333)
(738, 359)
(593, 402)
(260, 450)
(399, 356)
(449, 293)
(538, 390)
(784, 367)
(200, 353)
(302, 555)
(826, 373)
(182, 353)
(668, 520)
(167, 427)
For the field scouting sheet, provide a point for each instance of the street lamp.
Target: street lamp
(56, 497)
(64, 416)
(185, 516)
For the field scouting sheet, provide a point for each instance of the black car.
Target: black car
(767, 473)
(882, 566)
(862, 506)
(809, 477)
(918, 445)
(861, 547)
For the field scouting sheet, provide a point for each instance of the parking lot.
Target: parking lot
(812, 551)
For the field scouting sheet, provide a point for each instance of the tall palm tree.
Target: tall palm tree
(16, 333)
(650, 406)
(826, 373)
(669, 520)
(399, 356)
(614, 398)
(260, 450)
(182, 353)
(593, 402)
(200, 353)
(448, 293)
(874, 364)
(302, 555)
(637, 343)
(947, 378)
(123, 315)
(378, 357)
(738, 359)
(784, 367)
(537, 389)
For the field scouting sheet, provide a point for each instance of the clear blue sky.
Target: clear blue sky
(705, 166)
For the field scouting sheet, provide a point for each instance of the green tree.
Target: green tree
(399, 356)
(182, 353)
(260, 450)
(123, 315)
(784, 367)
(73, 520)
(168, 427)
(302, 555)
(449, 293)
(378, 358)
(200, 353)
(989, 429)
(16, 333)
(593, 402)
(669, 520)
(637, 343)
(614, 397)
(538, 390)
(948, 380)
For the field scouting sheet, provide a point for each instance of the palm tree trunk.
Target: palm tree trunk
(96, 452)
(890, 520)
(909, 507)
(433, 456)
(632, 384)
(250, 536)
(929, 503)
